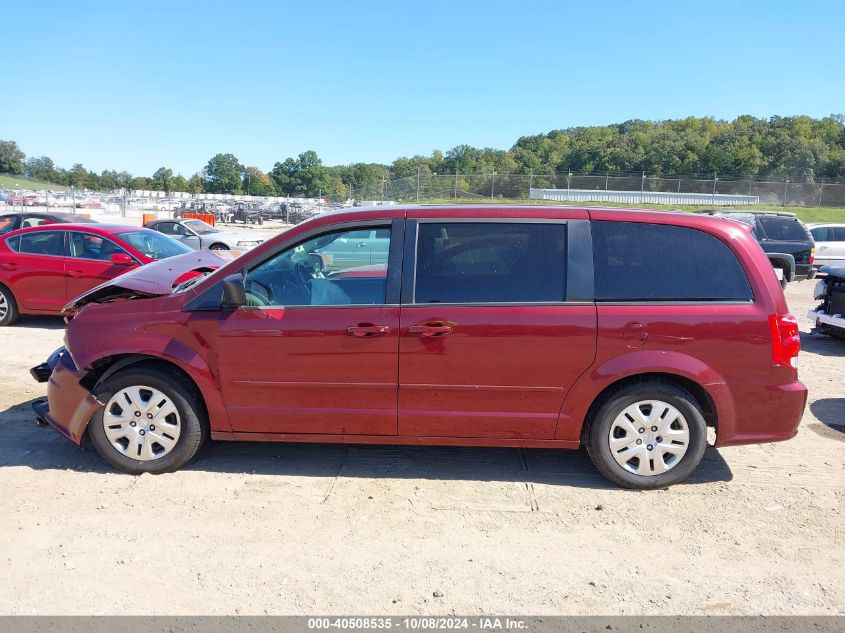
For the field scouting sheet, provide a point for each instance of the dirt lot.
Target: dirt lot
(256, 529)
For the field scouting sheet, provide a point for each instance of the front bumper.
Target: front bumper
(833, 320)
(69, 405)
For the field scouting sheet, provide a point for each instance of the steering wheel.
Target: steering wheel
(259, 294)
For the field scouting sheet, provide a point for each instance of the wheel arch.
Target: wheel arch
(696, 390)
(102, 369)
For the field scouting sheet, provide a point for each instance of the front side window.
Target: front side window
(90, 246)
(41, 243)
(490, 262)
(335, 268)
(655, 262)
(821, 233)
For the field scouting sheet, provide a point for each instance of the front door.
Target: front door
(489, 345)
(90, 262)
(316, 352)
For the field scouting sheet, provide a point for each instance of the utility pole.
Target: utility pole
(456, 182)
(418, 183)
(785, 190)
(821, 192)
(642, 183)
(714, 185)
(606, 179)
(493, 184)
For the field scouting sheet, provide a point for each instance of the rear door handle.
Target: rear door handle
(431, 329)
(367, 330)
(9, 266)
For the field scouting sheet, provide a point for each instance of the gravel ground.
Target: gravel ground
(301, 529)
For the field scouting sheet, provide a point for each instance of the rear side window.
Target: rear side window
(822, 233)
(7, 223)
(41, 243)
(656, 262)
(490, 262)
(780, 228)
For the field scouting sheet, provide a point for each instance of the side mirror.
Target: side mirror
(121, 259)
(234, 293)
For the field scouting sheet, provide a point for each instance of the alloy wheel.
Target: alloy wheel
(649, 437)
(141, 423)
(4, 306)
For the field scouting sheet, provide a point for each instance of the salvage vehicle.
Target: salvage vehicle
(786, 241)
(200, 235)
(549, 327)
(829, 316)
(43, 267)
(25, 219)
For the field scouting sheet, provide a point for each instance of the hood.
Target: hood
(833, 271)
(155, 279)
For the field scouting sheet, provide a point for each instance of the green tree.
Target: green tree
(223, 174)
(41, 168)
(11, 158)
(163, 179)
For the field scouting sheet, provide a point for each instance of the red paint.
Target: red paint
(497, 375)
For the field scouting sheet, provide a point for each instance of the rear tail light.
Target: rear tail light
(786, 341)
(812, 255)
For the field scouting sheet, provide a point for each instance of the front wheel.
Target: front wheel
(648, 435)
(153, 421)
(218, 247)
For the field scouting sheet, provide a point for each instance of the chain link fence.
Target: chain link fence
(427, 187)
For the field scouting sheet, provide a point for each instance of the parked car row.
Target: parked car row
(626, 332)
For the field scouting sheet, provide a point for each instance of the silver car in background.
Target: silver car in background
(201, 236)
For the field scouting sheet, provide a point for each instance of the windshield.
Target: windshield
(788, 229)
(200, 227)
(154, 245)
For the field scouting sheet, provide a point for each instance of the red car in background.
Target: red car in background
(44, 267)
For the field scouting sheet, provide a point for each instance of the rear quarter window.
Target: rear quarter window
(656, 262)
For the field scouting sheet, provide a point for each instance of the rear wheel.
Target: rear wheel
(153, 421)
(8, 308)
(647, 435)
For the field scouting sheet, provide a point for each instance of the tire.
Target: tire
(783, 280)
(181, 432)
(8, 307)
(218, 247)
(610, 422)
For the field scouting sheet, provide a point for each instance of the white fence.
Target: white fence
(642, 197)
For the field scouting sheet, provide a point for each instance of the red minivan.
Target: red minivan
(629, 332)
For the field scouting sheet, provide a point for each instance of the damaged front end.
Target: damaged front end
(829, 316)
(71, 372)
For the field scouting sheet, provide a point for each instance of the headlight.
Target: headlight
(247, 243)
(820, 290)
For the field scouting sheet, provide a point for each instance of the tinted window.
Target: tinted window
(331, 269)
(654, 262)
(780, 228)
(90, 246)
(838, 234)
(490, 262)
(42, 243)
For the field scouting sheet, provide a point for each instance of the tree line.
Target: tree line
(797, 147)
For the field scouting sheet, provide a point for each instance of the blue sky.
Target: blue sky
(138, 85)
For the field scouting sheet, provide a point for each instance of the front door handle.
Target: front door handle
(75, 273)
(368, 330)
(9, 266)
(431, 329)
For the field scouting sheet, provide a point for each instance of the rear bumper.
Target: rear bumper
(768, 415)
(69, 405)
